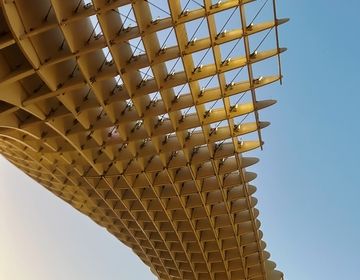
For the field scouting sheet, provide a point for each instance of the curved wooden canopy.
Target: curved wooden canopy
(150, 150)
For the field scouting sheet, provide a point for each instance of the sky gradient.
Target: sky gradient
(308, 182)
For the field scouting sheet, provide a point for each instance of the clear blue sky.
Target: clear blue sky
(308, 183)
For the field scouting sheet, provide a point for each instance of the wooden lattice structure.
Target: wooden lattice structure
(113, 132)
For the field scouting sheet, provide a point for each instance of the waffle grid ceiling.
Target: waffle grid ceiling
(137, 113)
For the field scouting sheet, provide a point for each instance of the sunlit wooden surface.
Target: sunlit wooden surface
(150, 152)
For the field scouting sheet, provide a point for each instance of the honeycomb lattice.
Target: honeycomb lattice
(140, 122)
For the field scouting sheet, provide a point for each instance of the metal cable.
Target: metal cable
(214, 128)
(136, 48)
(77, 6)
(122, 25)
(203, 57)
(179, 92)
(177, 60)
(161, 9)
(258, 46)
(183, 10)
(237, 74)
(103, 62)
(48, 12)
(121, 14)
(232, 49)
(263, 39)
(212, 106)
(241, 97)
(92, 32)
(222, 142)
(187, 111)
(196, 30)
(221, 30)
(244, 118)
(259, 11)
(198, 4)
(87, 94)
(73, 71)
(238, 40)
(167, 37)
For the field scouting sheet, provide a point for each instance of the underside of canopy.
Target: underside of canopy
(138, 114)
